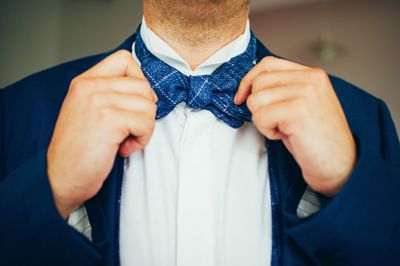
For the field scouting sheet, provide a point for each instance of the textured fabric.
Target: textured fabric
(213, 92)
(311, 203)
(78, 219)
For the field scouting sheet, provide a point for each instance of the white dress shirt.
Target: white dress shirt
(198, 194)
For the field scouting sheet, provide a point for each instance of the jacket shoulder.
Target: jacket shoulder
(52, 77)
(355, 101)
(368, 116)
(30, 107)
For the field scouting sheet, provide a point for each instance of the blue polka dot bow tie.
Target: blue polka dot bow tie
(213, 92)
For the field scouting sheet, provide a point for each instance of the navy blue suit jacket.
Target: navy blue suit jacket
(359, 226)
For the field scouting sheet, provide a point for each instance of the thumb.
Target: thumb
(129, 146)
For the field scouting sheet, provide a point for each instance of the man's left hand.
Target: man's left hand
(298, 105)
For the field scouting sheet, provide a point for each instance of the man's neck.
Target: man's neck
(194, 45)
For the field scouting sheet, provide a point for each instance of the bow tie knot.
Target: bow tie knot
(213, 92)
(201, 92)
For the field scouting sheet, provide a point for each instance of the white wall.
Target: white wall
(29, 37)
(38, 34)
(95, 26)
(368, 29)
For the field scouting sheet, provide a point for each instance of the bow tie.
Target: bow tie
(214, 92)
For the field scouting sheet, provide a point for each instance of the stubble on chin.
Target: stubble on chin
(197, 21)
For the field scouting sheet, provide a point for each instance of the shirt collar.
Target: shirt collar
(166, 53)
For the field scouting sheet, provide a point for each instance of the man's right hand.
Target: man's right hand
(108, 109)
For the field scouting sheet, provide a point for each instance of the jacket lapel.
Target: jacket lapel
(103, 212)
(104, 209)
(283, 165)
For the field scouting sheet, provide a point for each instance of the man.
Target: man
(191, 144)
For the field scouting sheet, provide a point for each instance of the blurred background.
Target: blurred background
(358, 40)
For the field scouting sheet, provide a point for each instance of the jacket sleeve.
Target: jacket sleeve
(31, 230)
(361, 224)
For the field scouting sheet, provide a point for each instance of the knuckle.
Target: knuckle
(145, 82)
(144, 104)
(270, 134)
(268, 59)
(74, 85)
(250, 102)
(145, 88)
(124, 56)
(147, 92)
(79, 87)
(149, 107)
(148, 125)
(153, 109)
(319, 74)
(256, 118)
(74, 81)
(258, 82)
(86, 84)
(123, 53)
(152, 125)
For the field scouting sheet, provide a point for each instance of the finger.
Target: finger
(268, 64)
(129, 146)
(118, 64)
(280, 78)
(274, 121)
(272, 95)
(271, 79)
(128, 123)
(123, 85)
(128, 102)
